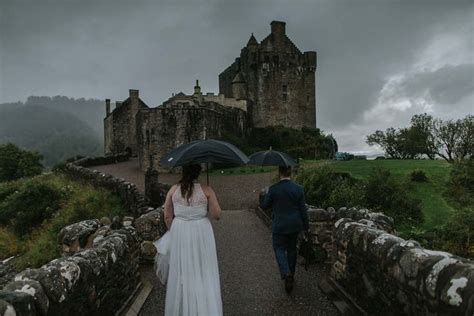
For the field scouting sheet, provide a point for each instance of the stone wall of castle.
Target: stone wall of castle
(279, 81)
(164, 128)
(120, 125)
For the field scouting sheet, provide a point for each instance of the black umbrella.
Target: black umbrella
(204, 151)
(272, 158)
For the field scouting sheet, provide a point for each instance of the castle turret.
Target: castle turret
(197, 88)
(252, 41)
(238, 87)
(107, 107)
(278, 28)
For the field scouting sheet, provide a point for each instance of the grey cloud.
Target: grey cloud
(102, 48)
(447, 85)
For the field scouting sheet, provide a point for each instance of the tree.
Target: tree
(452, 140)
(422, 135)
(16, 163)
(390, 141)
(455, 138)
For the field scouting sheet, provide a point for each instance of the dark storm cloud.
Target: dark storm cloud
(372, 55)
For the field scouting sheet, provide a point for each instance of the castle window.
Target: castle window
(266, 58)
(254, 57)
(284, 92)
(275, 59)
(148, 137)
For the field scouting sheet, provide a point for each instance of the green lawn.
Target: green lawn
(435, 207)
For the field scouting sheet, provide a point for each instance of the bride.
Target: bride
(186, 255)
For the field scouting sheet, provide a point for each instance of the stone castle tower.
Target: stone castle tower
(276, 78)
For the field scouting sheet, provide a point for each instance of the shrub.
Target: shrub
(346, 194)
(418, 176)
(8, 243)
(30, 206)
(7, 189)
(16, 163)
(461, 183)
(380, 158)
(386, 194)
(319, 184)
(458, 233)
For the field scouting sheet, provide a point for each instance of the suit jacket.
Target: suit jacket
(289, 213)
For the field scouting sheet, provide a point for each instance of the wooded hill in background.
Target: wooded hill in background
(58, 127)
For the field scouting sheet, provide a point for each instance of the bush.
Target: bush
(385, 194)
(461, 183)
(8, 243)
(16, 163)
(380, 158)
(455, 236)
(319, 184)
(346, 194)
(80, 202)
(418, 176)
(30, 206)
(458, 233)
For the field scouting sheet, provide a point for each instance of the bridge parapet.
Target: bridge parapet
(93, 281)
(388, 275)
(383, 274)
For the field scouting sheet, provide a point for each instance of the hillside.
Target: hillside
(57, 135)
(434, 205)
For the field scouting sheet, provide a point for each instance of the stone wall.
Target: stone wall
(102, 160)
(93, 281)
(128, 192)
(383, 273)
(392, 276)
(322, 225)
(163, 128)
(279, 80)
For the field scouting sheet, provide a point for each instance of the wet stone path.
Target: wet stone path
(250, 281)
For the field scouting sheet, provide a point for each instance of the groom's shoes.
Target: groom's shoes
(289, 280)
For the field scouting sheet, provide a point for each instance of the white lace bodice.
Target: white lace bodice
(195, 209)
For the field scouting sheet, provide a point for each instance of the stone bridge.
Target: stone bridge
(249, 274)
(364, 267)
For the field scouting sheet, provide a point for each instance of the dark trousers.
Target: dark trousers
(284, 246)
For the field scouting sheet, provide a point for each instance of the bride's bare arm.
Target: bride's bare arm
(214, 207)
(169, 211)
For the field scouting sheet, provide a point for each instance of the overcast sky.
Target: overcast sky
(379, 62)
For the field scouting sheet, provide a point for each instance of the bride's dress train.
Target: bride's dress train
(187, 259)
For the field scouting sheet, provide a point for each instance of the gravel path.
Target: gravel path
(250, 281)
(234, 192)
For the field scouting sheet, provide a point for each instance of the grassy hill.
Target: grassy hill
(435, 207)
(57, 135)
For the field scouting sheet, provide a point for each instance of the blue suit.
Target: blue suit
(289, 217)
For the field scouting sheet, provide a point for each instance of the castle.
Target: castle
(271, 83)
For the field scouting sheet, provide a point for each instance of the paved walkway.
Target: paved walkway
(234, 192)
(249, 275)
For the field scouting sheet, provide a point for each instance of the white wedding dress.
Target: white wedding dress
(187, 260)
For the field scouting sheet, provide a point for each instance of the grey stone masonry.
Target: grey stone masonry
(92, 281)
(388, 275)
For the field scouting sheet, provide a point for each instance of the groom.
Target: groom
(289, 217)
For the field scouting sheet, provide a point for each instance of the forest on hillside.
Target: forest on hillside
(57, 127)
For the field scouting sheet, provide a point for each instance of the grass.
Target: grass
(241, 170)
(435, 208)
(80, 202)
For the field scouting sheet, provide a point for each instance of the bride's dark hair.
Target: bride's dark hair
(190, 173)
